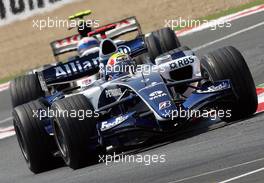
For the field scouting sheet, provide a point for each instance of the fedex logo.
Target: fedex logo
(107, 125)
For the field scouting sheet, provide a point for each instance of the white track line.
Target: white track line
(7, 132)
(243, 175)
(228, 18)
(4, 86)
(216, 171)
(261, 98)
(229, 36)
(6, 120)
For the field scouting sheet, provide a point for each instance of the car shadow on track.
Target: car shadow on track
(197, 128)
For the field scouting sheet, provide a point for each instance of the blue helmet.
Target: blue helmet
(87, 45)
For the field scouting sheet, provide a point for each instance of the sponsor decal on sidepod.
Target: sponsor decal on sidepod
(107, 125)
(156, 94)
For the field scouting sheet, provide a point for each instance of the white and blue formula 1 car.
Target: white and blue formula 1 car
(131, 107)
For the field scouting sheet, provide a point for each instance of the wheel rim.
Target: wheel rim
(21, 142)
(60, 139)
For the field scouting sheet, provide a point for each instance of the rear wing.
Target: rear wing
(70, 43)
(65, 45)
(124, 26)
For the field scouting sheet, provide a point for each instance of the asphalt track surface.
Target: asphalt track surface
(208, 153)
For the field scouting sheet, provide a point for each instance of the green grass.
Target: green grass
(233, 10)
(6, 79)
(10, 77)
(228, 11)
(261, 85)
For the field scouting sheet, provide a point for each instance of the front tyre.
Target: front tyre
(73, 135)
(36, 144)
(228, 63)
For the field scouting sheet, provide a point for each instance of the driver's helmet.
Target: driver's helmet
(84, 28)
(119, 64)
(87, 46)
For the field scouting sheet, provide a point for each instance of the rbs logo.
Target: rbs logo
(181, 62)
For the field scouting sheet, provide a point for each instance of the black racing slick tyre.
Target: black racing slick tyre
(228, 63)
(72, 134)
(24, 89)
(36, 144)
(168, 39)
(161, 41)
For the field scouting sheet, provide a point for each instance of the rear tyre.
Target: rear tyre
(161, 41)
(35, 143)
(72, 134)
(154, 47)
(168, 39)
(24, 89)
(228, 63)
